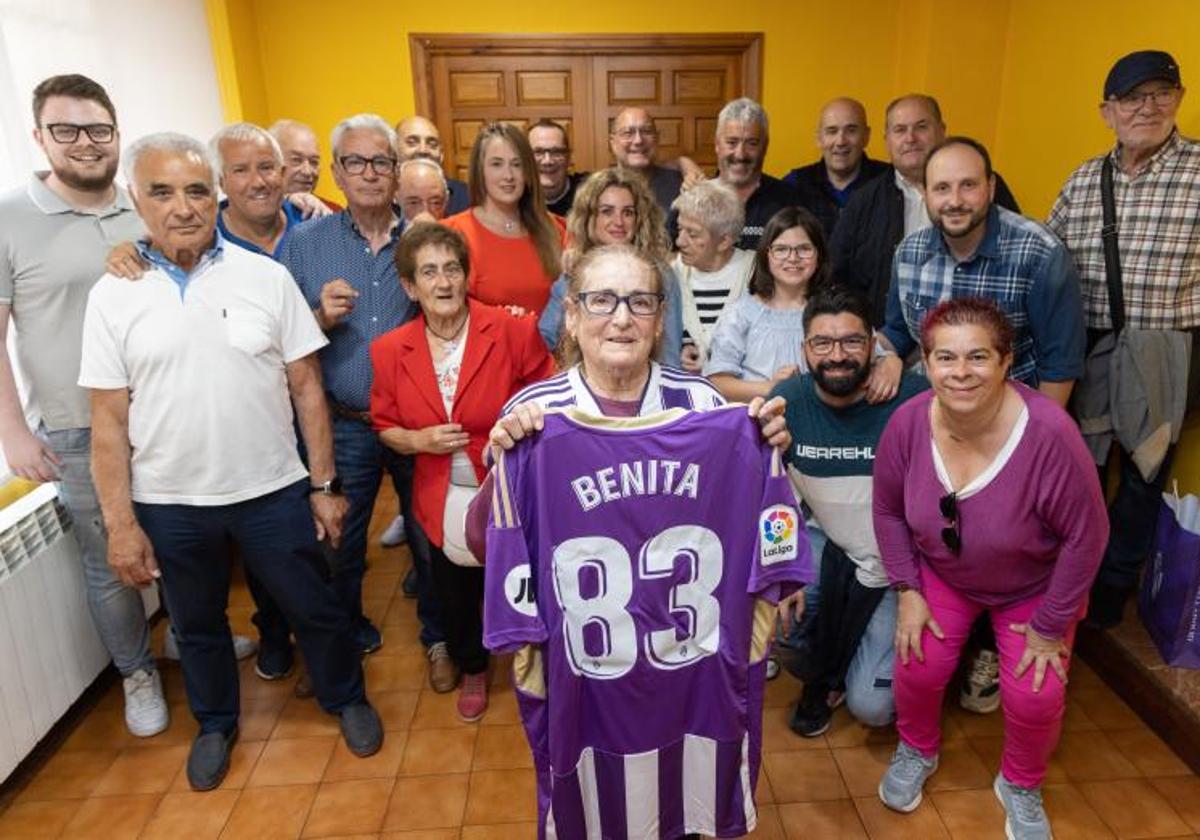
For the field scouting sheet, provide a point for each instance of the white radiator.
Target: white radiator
(49, 649)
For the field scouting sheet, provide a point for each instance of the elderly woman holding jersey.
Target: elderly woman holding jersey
(439, 384)
(985, 500)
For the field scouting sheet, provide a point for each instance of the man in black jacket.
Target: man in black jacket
(825, 187)
(892, 205)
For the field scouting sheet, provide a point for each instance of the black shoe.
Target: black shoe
(208, 761)
(362, 729)
(367, 638)
(1106, 605)
(409, 585)
(812, 714)
(274, 663)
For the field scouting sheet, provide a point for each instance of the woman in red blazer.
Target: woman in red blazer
(439, 384)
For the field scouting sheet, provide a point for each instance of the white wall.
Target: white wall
(153, 56)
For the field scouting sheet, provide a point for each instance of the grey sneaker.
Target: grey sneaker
(1025, 818)
(243, 646)
(902, 784)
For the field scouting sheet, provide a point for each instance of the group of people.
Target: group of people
(249, 368)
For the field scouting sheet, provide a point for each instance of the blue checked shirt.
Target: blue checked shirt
(325, 249)
(1020, 265)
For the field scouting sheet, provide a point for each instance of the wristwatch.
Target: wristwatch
(332, 487)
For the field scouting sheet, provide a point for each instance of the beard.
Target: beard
(976, 219)
(854, 375)
(88, 183)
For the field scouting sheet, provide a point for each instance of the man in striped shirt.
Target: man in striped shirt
(1156, 191)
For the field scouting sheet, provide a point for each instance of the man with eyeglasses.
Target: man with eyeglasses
(418, 138)
(54, 235)
(344, 266)
(1156, 190)
(846, 644)
(634, 144)
(552, 152)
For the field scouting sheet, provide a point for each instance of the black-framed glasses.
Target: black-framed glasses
(631, 131)
(357, 164)
(1131, 102)
(951, 535)
(69, 132)
(641, 304)
(555, 153)
(822, 345)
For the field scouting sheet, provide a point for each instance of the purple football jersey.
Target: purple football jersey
(634, 565)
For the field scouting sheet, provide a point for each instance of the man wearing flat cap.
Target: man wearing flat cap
(1146, 348)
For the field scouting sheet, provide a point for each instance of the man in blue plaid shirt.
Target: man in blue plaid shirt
(978, 249)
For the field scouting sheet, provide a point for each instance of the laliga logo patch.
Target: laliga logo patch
(778, 534)
(518, 590)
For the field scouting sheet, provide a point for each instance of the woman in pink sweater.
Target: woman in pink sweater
(985, 500)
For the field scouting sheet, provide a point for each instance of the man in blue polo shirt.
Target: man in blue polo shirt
(976, 248)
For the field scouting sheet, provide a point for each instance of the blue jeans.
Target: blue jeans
(361, 461)
(116, 609)
(869, 696)
(277, 539)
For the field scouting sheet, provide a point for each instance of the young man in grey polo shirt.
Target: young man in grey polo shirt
(54, 235)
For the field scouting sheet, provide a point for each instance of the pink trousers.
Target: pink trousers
(1032, 721)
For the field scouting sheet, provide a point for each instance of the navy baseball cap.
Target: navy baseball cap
(1137, 67)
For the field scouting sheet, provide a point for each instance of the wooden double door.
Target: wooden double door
(582, 82)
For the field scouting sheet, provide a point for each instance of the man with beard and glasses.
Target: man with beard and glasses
(848, 653)
(417, 137)
(54, 234)
(977, 249)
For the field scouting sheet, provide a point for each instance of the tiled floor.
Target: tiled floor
(437, 778)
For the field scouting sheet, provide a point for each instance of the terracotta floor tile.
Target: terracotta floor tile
(1148, 752)
(349, 808)
(833, 819)
(241, 764)
(71, 774)
(270, 813)
(427, 802)
(502, 708)
(257, 724)
(304, 719)
(882, 823)
(292, 762)
(970, 814)
(1082, 677)
(501, 796)
(426, 834)
(1133, 808)
(438, 711)
(778, 737)
(196, 816)
(438, 751)
(393, 673)
(804, 776)
(989, 751)
(401, 638)
(1091, 756)
(863, 767)
(182, 730)
(768, 826)
(38, 819)
(763, 794)
(1076, 719)
(973, 725)
(1107, 710)
(501, 748)
(103, 729)
(142, 770)
(506, 831)
(112, 817)
(959, 768)
(396, 708)
(345, 766)
(1071, 815)
(784, 690)
(1184, 795)
(845, 731)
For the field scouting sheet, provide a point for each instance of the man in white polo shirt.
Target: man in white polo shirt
(194, 371)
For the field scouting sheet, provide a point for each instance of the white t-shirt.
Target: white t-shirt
(210, 416)
(916, 214)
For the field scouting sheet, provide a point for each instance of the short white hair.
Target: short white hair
(715, 206)
(431, 165)
(165, 141)
(744, 110)
(362, 122)
(242, 132)
(280, 126)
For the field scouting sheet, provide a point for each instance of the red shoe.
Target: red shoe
(472, 697)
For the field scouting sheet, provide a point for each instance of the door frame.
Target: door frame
(423, 47)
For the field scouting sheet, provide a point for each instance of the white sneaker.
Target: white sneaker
(981, 690)
(146, 710)
(393, 534)
(243, 646)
